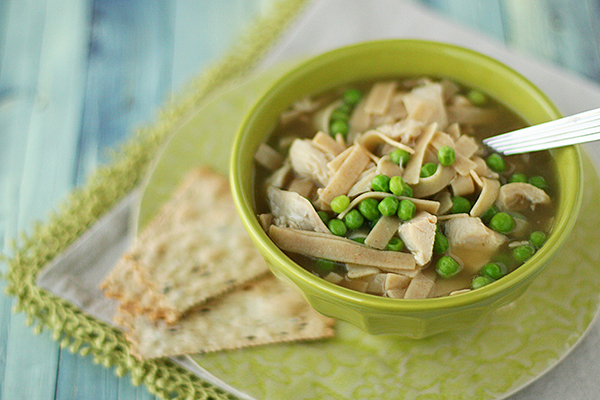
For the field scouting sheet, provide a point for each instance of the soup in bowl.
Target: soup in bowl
(362, 179)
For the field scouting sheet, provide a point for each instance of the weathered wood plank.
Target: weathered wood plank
(484, 16)
(24, 357)
(565, 32)
(80, 378)
(128, 77)
(205, 30)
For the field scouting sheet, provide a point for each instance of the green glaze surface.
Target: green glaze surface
(502, 352)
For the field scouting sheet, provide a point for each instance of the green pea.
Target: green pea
(339, 115)
(339, 127)
(354, 219)
(359, 239)
(506, 260)
(496, 163)
(352, 97)
(406, 210)
(345, 108)
(368, 208)
(493, 270)
(446, 155)
(539, 182)
(523, 253)
(487, 216)
(460, 205)
(502, 222)
(323, 266)
(518, 177)
(381, 183)
(395, 244)
(339, 203)
(324, 216)
(476, 97)
(388, 206)
(337, 227)
(428, 169)
(537, 239)
(407, 192)
(447, 267)
(440, 243)
(397, 185)
(400, 157)
(480, 281)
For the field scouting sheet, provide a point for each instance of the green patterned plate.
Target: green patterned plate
(502, 353)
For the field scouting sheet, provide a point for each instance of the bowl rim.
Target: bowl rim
(488, 293)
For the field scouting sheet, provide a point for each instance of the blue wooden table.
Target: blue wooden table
(77, 77)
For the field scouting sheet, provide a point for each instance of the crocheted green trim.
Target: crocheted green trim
(83, 333)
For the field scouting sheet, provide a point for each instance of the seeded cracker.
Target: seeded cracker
(196, 248)
(257, 313)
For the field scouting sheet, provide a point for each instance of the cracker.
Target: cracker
(258, 313)
(194, 249)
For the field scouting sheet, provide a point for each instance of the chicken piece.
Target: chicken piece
(294, 211)
(418, 235)
(518, 196)
(471, 241)
(309, 162)
(404, 131)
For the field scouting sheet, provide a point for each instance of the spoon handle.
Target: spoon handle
(579, 128)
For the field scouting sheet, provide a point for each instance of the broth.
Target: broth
(382, 118)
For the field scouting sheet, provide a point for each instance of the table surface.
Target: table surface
(77, 77)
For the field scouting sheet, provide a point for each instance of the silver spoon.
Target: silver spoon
(579, 128)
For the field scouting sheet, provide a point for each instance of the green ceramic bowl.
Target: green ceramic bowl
(394, 58)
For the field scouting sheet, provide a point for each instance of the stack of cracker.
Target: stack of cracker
(194, 282)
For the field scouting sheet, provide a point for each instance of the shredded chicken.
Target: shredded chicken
(471, 241)
(309, 162)
(418, 235)
(294, 211)
(329, 177)
(519, 196)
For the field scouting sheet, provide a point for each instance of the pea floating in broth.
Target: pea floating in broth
(384, 187)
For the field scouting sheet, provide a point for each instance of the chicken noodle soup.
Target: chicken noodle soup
(384, 187)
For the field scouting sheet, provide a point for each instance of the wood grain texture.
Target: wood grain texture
(78, 76)
(565, 32)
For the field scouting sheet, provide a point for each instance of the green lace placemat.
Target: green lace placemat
(75, 329)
